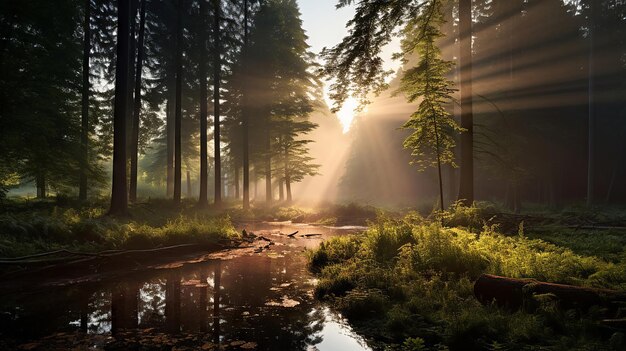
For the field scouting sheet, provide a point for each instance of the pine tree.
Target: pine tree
(432, 139)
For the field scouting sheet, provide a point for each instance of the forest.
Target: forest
(313, 174)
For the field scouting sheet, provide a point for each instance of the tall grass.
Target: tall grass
(27, 231)
(409, 283)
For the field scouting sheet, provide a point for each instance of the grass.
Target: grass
(408, 285)
(28, 228)
(325, 214)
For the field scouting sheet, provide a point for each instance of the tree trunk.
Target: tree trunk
(288, 187)
(134, 5)
(189, 195)
(281, 193)
(203, 197)
(179, 105)
(592, 106)
(236, 171)
(119, 193)
(287, 176)
(216, 101)
(466, 184)
(517, 293)
(244, 122)
(441, 204)
(84, 132)
(134, 148)
(268, 159)
(170, 143)
(41, 186)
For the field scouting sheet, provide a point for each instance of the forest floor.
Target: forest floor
(407, 283)
(33, 227)
(404, 283)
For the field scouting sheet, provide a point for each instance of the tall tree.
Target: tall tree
(432, 138)
(217, 68)
(245, 117)
(466, 185)
(282, 92)
(178, 116)
(357, 68)
(84, 133)
(203, 198)
(119, 196)
(134, 147)
(591, 127)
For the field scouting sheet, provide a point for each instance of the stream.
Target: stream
(257, 301)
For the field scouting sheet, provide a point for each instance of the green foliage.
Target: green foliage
(27, 230)
(433, 127)
(409, 278)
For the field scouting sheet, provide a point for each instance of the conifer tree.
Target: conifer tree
(432, 138)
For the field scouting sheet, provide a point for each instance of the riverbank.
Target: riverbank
(407, 283)
(34, 227)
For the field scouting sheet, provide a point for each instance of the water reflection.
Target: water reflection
(261, 301)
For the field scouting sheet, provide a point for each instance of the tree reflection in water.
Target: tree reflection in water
(263, 300)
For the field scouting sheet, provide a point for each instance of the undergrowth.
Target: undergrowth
(408, 284)
(33, 229)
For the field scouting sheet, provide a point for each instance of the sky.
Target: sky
(326, 26)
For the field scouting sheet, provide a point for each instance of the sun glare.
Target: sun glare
(347, 113)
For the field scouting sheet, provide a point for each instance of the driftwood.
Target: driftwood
(292, 234)
(517, 293)
(310, 235)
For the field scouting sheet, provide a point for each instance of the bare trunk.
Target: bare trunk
(203, 197)
(134, 148)
(441, 204)
(268, 159)
(287, 175)
(592, 107)
(281, 193)
(131, 78)
(236, 171)
(244, 122)
(119, 194)
(216, 101)
(84, 132)
(466, 185)
(170, 144)
(179, 107)
(188, 184)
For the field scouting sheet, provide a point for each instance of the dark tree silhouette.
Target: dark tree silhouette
(134, 147)
(466, 185)
(119, 193)
(203, 198)
(178, 116)
(84, 132)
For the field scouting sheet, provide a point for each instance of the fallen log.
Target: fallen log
(518, 293)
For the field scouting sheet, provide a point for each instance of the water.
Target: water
(256, 301)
